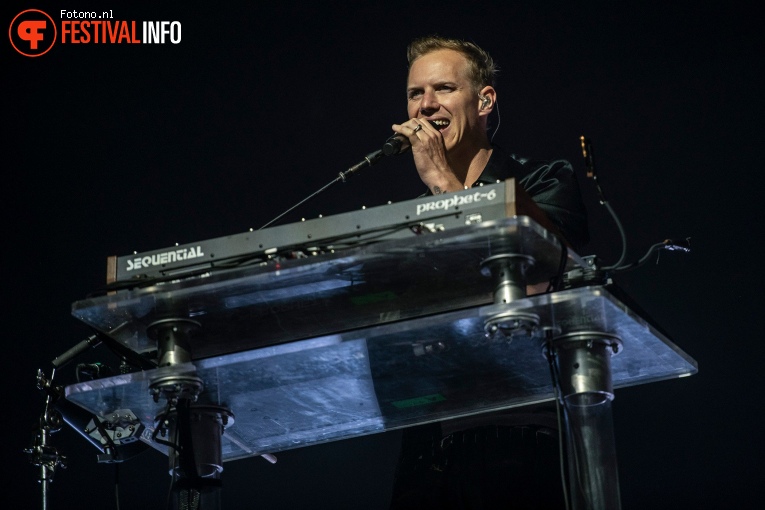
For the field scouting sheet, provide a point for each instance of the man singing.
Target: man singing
(450, 94)
(506, 459)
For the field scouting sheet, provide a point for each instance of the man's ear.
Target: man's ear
(487, 98)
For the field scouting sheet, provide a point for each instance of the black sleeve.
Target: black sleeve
(553, 186)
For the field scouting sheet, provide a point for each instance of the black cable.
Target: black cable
(117, 484)
(95, 371)
(172, 474)
(622, 234)
(556, 282)
(667, 244)
(556, 394)
(110, 447)
(619, 266)
(574, 441)
(592, 174)
(124, 351)
(160, 424)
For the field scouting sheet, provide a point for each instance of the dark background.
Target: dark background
(113, 148)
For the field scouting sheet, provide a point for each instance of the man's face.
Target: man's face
(439, 90)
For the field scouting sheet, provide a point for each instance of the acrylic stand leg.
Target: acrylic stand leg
(583, 363)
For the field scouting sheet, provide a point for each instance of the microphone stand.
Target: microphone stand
(97, 430)
(369, 160)
(42, 453)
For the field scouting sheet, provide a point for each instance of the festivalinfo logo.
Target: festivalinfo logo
(34, 32)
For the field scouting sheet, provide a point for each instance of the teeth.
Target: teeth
(439, 122)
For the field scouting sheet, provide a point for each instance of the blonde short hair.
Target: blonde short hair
(481, 67)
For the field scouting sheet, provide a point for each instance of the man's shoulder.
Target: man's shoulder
(505, 165)
(530, 165)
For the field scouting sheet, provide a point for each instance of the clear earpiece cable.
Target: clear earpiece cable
(496, 106)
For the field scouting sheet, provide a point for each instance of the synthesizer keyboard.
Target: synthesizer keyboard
(396, 220)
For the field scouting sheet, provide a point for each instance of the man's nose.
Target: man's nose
(429, 103)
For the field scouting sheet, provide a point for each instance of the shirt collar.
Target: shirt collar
(500, 166)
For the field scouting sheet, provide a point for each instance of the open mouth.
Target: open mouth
(440, 124)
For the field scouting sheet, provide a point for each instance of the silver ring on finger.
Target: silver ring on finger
(419, 126)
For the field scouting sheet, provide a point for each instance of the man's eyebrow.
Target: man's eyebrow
(435, 85)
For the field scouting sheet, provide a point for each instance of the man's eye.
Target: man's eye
(445, 88)
(414, 95)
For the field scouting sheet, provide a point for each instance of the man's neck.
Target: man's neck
(469, 164)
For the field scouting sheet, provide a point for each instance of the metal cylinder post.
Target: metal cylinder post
(583, 364)
(173, 340)
(509, 273)
(196, 460)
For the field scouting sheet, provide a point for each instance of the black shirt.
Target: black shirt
(551, 184)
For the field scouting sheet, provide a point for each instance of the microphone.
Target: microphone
(91, 341)
(398, 144)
